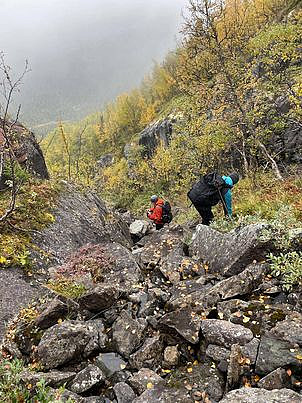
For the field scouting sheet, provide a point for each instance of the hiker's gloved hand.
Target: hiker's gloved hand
(148, 212)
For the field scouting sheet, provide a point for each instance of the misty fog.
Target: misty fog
(82, 53)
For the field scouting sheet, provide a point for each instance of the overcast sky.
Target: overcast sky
(83, 53)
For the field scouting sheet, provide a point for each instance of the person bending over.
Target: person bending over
(209, 191)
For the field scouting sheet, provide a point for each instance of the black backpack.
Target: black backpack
(167, 213)
(208, 190)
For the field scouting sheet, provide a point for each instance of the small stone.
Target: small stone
(171, 357)
(124, 393)
(140, 380)
(86, 379)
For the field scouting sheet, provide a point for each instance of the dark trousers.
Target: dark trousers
(158, 226)
(205, 212)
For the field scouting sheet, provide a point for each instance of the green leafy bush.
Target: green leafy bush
(289, 267)
(13, 390)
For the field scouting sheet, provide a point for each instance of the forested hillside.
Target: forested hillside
(233, 90)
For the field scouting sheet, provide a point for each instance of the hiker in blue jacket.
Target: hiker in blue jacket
(209, 191)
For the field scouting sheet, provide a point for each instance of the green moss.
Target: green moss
(67, 288)
(277, 316)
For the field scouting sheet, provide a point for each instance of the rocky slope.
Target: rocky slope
(166, 321)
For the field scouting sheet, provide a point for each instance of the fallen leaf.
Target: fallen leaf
(246, 319)
(190, 369)
(289, 372)
(149, 385)
(299, 356)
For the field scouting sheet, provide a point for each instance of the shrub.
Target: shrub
(13, 390)
(66, 287)
(289, 267)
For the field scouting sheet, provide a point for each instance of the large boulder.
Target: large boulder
(191, 293)
(124, 393)
(290, 329)
(110, 363)
(229, 253)
(128, 333)
(105, 161)
(69, 341)
(161, 393)
(144, 379)
(199, 379)
(86, 379)
(224, 333)
(149, 355)
(139, 228)
(242, 284)
(177, 266)
(157, 133)
(274, 353)
(26, 150)
(79, 218)
(99, 298)
(185, 322)
(252, 395)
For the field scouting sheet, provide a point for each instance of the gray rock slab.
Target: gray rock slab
(204, 377)
(80, 218)
(274, 353)
(65, 342)
(139, 228)
(217, 353)
(142, 378)
(229, 253)
(99, 298)
(86, 379)
(185, 322)
(224, 333)
(158, 245)
(277, 379)
(189, 293)
(124, 393)
(56, 310)
(127, 333)
(289, 329)
(110, 363)
(52, 378)
(164, 394)
(16, 292)
(149, 355)
(243, 283)
(252, 395)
